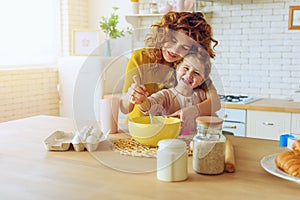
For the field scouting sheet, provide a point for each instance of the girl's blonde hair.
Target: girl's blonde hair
(193, 24)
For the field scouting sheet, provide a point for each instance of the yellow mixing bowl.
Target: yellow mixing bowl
(150, 134)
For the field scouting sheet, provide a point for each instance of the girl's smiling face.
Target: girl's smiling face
(190, 72)
(177, 46)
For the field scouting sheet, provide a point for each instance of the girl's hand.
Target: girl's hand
(187, 117)
(176, 114)
(138, 93)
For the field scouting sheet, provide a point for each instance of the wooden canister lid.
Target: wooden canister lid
(209, 121)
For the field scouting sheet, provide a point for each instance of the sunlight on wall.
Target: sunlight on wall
(29, 32)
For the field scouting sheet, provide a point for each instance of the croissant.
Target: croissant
(296, 145)
(289, 161)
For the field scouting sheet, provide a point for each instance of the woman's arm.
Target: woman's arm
(212, 103)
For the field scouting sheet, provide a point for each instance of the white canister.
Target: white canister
(172, 160)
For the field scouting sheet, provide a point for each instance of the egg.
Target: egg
(85, 132)
(91, 139)
(76, 139)
(97, 133)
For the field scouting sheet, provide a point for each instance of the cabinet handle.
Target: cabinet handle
(268, 123)
(233, 127)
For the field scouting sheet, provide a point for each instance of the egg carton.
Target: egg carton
(87, 138)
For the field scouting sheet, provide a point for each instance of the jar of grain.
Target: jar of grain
(172, 160)
(209, 146)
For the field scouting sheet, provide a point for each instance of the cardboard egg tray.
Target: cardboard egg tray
(61, 141)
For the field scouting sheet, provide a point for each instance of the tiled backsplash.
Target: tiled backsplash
(28, 92)
(257, 54)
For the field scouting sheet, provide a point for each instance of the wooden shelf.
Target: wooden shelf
(136, 20)
(144, 15)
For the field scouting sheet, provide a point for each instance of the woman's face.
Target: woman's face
(190, 76)
(177, 47)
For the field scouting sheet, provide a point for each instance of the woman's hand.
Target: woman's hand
(138, 94)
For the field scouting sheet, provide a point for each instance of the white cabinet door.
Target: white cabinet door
(295, 123)
(267, 125)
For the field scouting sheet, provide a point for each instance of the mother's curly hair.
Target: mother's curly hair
(193, 24)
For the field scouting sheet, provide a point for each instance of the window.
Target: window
(29, 32)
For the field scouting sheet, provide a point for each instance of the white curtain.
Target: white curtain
(29, 32)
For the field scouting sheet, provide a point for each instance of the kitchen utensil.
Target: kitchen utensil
(137, 81)
(150, 134)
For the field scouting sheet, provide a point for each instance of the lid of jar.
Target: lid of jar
(209, 120)
(171, 143)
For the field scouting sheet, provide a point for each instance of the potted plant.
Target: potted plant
(109, 27)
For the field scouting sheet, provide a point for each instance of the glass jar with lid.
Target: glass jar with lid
(209, 146)
(153, 7)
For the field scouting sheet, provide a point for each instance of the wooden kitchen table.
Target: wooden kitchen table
(29, 171)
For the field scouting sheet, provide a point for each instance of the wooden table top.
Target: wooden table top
(29, 171)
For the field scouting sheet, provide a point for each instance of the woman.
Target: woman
(192, 75)
(169, 40)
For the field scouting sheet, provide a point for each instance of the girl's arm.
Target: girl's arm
(209, 106)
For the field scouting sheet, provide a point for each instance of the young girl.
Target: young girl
(176, 35)
(193, 80)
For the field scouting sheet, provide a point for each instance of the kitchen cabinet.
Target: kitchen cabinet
(295, 123)
(269, 118)
(234, 120)
(268, 125)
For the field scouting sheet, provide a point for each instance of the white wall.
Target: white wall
(99, 8)
(257, 54)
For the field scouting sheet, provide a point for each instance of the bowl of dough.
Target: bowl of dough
(150, 133)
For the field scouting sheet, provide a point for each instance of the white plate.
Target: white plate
(268, 163)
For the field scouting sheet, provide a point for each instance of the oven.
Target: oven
(234, 120)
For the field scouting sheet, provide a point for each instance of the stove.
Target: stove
(237, 99)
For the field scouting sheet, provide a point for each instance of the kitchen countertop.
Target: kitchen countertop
(29, 171)
(265, 104)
